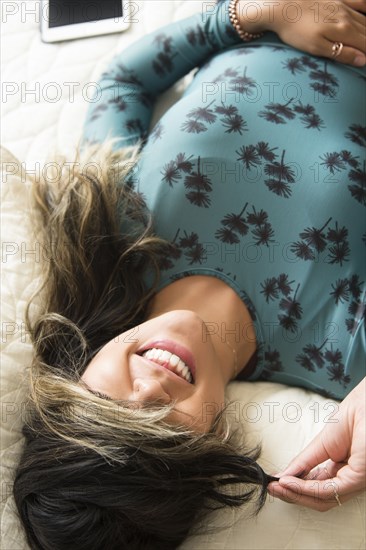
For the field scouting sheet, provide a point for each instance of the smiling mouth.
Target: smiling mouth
(170, 361)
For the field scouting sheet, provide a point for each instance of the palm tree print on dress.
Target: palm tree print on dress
(199, 186)
(273, 286)
(237, 82)
(278, 112)
(127, 86)
(343, 290)
(157, 132)
(196, 36)
(309, 62)
(198, 118)
(253, 155)
(339, 249)
(324, 82)
(292, 312)
(173, 254)
(265, 152)
(236, 225)
(309, 117)
(226, 74)
(118, 103)
(336, 162)
(230, 118)
(163, 62)
(135, 125)
(234, 123)
(357, 134)
(335, 367)
(243, 84)
(344, 160)
(281, 113)
(294, 65)
(174, 170)
(281, 176)
(233, 224)
(98, 111)
(314, 241)
(272, 364)
(249, 156)
(194, 251)
(244, 51)
(357, 310)
(312, 357)
(358, 188)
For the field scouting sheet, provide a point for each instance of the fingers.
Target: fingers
(322, 490)
(348, 55)
(293, 494)
(313, 455)
(354, 54)
(347, 27)
(358, 5)
(321, 495)
(327, 470)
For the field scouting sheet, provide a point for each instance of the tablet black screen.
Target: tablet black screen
(70, 12)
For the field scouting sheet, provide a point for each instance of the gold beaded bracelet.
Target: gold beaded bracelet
(244, 35)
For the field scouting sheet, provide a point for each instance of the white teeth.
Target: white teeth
(163, 357)
(174, 360)
(186, 371)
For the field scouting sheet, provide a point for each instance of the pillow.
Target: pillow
(21, 264)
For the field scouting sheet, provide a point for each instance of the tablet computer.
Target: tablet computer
(71, 19)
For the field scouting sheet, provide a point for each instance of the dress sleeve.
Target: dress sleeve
(127, 90)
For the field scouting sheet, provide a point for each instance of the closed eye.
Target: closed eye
(101, 395)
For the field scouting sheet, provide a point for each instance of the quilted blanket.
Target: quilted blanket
(45, 94)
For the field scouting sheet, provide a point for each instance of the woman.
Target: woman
(147, 319)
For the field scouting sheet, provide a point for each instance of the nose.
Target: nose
(150, 390)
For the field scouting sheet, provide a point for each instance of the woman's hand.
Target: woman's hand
(312, 27)
(333, 465)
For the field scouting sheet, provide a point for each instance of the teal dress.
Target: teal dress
(256, 176)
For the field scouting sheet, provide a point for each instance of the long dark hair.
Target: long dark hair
(94, 473)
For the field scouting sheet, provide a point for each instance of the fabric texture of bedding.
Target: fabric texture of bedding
(46, 93)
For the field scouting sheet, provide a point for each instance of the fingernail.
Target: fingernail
(289, 472)
(287, 480)
(359, 60)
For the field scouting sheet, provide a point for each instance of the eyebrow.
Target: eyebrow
(101, 395)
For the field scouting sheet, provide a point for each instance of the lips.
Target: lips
(170, 361)
(172, 356)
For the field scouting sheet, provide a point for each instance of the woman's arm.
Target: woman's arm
(131, 83)
(128, 88)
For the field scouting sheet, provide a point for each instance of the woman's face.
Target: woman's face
(168, 358)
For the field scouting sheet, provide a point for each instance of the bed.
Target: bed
(45, 97)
